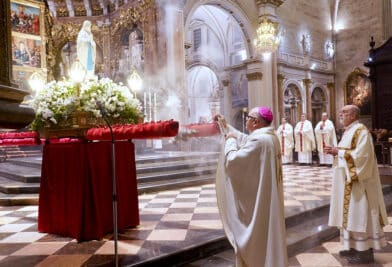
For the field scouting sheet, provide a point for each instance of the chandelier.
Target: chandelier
(267, 36)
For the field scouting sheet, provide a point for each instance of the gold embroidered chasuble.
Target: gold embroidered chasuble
(356, 190)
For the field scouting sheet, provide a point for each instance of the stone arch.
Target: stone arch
(292, 102)
(233, 9)
(203, 101)
(319, 103)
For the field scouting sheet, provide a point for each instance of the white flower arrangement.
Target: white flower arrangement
(54, 104)
(57, 102)
(119, 103)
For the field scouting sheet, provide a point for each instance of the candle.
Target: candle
(155, 106)
(149, 100)
(145, 103)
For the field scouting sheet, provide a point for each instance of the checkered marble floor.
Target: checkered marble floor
(170, 221)
(325, 255)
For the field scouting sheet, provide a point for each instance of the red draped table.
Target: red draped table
(76, 189)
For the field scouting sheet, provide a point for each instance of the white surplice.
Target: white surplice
(325, 136)
(361, 214)
(249, 190)
(304, 141)
(286, 140)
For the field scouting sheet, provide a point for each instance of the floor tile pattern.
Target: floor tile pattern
(325, 255)
(170, 220)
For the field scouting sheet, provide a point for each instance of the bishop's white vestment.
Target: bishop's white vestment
(325, 136)
(357, 203)
(304, 141)
(249, 190)
(286, 140)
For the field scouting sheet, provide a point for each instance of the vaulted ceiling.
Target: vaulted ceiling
(79, 8)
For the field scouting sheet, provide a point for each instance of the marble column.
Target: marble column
(258, 94)
(280, 78)
(332, 106)
(175, 54)
(307, 82)
(13, 114)
(270, 97)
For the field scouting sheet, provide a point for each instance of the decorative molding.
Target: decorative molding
(280, 77)
(62, 11)
(307, 82)
(254, 76)
(304, 62)
(80, 11)
(225, 82)
(275, 3)
(331, 86)
(50, 56)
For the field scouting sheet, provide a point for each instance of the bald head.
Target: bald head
(355, 111)
(349, 114)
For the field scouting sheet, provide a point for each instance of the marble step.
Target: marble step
(174, 165)
(142, 165)
(33, 162)
(8, 186)
(18, 199)
(175, 174)
(20, 173)
(174, 156)
(174, 183)
(22, 151)
(303, 231)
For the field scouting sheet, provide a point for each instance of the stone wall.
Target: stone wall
(359, 20)
(303, 17)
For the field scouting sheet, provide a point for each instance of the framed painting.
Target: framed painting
(28, 33)
(26, 17)
(358, 91)
(26, 52)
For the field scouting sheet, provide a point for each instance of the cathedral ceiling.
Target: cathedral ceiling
(80, 8)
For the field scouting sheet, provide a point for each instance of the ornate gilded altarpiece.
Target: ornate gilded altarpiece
(28, 40)
(108, 32)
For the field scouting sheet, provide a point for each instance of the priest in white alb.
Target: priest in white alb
(286, 139)
(325, 136)
(304, 140)
(249, 188)
(357, 204)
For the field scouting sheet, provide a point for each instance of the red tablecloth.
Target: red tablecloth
(76, 189)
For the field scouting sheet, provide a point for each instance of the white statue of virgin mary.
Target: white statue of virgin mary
(86, 48)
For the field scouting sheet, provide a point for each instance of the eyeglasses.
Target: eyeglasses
(248, 117)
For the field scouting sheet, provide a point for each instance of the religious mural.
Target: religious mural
(358, 91)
